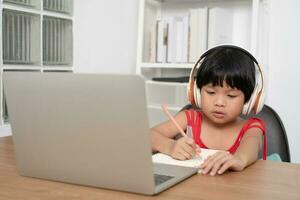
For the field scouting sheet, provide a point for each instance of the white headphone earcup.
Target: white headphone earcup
(245, 108)
(259, 102)
(260, 98)
(198, 94)
(195, 94)
(188, 92)
(249, 105)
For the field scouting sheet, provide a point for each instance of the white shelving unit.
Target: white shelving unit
(24, 50)
(249, 29)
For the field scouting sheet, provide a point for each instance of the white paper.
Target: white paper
(195, 162)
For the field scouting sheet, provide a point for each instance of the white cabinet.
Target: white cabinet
(239, 22)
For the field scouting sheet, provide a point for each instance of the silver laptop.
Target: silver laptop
(88, 129)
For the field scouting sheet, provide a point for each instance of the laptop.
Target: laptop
(87, 129)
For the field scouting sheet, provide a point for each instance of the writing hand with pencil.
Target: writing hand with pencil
(185, 147)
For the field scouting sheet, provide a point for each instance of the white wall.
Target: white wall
(284, 69)
(105, 36)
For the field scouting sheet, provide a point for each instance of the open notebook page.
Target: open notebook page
(195, 162)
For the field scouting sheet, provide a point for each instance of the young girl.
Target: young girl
(228, 83)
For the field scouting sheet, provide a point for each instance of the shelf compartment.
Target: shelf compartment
(156, 115)
(171, 94)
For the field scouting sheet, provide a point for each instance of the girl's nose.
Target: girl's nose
(220, 101)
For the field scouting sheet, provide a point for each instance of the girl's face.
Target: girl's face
(221, 105)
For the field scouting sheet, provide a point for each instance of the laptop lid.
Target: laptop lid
(89, 129)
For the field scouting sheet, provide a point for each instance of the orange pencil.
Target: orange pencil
(164, 107)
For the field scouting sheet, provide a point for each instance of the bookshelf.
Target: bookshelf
(212, 22)
(35, 35)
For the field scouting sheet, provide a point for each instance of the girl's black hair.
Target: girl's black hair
(229, 64)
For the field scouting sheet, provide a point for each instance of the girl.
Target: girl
(228, 83)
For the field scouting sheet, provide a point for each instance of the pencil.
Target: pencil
(164, 107)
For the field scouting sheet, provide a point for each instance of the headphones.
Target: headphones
(256, 101)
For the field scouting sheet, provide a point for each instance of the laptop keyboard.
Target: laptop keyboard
(159, 178)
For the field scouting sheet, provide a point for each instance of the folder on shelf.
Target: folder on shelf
(220, 26)
(151, 53)
(177, 49)
(161, 41)
(198, 33)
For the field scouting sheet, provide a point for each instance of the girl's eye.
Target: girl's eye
(210, 92)
(231, 96)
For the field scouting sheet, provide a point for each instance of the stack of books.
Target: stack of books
(182, 39)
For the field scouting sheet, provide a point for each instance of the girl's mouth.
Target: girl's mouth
(218, 115)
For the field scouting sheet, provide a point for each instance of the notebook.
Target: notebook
(194, 162)
(88, 129)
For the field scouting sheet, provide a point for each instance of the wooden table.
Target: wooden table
(262, 180)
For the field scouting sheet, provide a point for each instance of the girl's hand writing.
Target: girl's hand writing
(183, 149)
(220, 162)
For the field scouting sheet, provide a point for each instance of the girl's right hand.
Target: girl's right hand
(183, 149)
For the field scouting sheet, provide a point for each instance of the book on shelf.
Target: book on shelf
(151, 46)
(172, 22)
(177, 39)
(185, 42)
(220, 26)
(161, 41)
(179, 42)
(198, 32)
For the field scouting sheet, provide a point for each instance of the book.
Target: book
(177, 49)
(220, 26)
(194, 162)
(161, 41)
(185, 41)
(151, 56)
(198, 33)
(179, 42)
(172, 43)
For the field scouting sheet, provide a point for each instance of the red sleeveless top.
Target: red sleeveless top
(194, 120)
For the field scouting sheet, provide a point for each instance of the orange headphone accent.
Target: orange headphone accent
(256, 100)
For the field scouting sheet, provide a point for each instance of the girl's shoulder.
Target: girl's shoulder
(255, 121)
(254, 125)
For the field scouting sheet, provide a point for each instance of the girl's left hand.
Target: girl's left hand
(220, 162)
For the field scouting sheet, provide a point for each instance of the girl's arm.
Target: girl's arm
(162, 139)
(249, 147)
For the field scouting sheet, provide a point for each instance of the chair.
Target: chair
(277, 142)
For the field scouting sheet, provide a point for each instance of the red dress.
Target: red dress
(194, 120)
